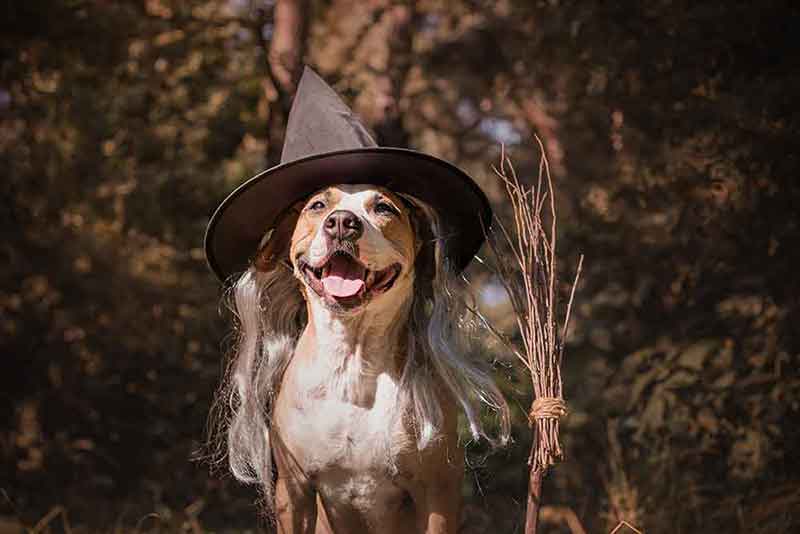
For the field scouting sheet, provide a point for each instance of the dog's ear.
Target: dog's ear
(274, 248)
(424, 221)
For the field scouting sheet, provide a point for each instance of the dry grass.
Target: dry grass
(184, 520)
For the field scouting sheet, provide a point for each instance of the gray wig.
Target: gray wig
(270, 315)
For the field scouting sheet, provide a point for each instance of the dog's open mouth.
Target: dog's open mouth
(345, 280)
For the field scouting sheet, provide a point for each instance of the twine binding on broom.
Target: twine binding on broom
(543, 418)
(547, 408)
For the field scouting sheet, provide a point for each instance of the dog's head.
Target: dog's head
(350, 246)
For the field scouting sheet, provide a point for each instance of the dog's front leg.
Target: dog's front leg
(295, 506)
(295, 497)
(437, 495)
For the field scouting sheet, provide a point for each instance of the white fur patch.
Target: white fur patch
(374, 249)
(355, 438)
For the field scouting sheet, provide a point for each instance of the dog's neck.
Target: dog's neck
(352, 351)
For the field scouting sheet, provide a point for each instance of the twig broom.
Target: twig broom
(529, 275)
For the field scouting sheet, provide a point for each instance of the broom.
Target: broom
(528, 272)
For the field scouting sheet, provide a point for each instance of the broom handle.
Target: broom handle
(534, 499)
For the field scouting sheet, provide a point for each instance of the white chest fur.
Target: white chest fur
(331, 430)
(340, 411)
(345, 432)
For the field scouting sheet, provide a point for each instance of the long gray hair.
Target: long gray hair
(270, 314)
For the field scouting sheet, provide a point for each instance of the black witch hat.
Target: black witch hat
(326, 144)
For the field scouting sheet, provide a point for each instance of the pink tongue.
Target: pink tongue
(344, 277)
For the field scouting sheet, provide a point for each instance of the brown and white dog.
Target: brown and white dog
(352, 364)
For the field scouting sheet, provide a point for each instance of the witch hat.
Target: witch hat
(325, 144)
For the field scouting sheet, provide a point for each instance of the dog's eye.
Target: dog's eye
(317, 205)
(385, 209)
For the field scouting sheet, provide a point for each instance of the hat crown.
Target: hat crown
(325, 145)
(320, 122)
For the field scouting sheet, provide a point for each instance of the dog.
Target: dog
(352, 363)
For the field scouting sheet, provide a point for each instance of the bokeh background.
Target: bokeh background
(673, 133)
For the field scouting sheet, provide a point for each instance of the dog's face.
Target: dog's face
(354, 245)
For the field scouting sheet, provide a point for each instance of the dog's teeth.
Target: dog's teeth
(326, 269)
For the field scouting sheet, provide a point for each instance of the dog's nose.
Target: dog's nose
(344, 225)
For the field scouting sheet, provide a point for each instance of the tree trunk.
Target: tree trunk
(390, 82)
(285, 51)
(288, 44)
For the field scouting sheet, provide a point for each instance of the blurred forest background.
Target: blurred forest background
(673, 132)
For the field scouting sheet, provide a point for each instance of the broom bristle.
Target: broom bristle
(529, 276)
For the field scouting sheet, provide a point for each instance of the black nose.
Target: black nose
(343, 225)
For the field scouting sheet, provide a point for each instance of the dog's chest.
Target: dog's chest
(329, 434)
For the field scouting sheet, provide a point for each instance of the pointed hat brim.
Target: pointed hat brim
(244, 217)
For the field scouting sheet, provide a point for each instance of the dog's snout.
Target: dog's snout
(343, 225)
